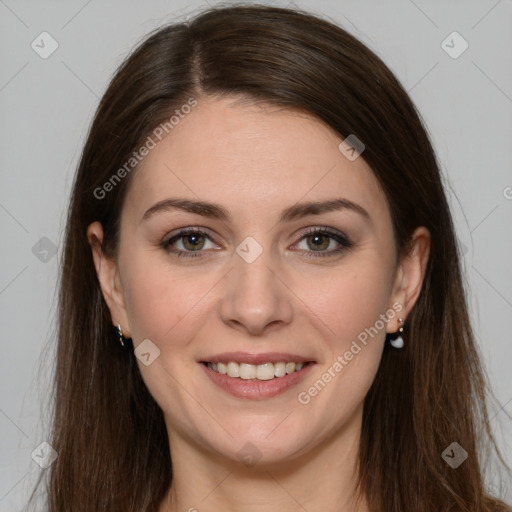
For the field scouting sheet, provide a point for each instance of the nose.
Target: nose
(256, 298)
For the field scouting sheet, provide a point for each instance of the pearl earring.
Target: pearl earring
(398, 342)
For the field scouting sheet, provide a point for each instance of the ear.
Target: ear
(410, 274)
(108, 277)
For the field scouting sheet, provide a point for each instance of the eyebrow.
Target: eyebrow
(216, 211)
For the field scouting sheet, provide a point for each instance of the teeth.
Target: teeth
(279, 369)
(266, 371)
(233, 369)
(247, 371)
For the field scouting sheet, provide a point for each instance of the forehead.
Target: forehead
(251, 158)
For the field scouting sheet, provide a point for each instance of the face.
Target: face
(287, 279)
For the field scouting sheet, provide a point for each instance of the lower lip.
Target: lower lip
(257, 389)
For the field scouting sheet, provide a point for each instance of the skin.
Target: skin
(256, 161)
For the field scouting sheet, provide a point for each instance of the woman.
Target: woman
(261, 304)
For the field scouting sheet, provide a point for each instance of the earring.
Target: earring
(398, 342)
(122, 339)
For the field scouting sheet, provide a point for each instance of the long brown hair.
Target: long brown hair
(109, 432)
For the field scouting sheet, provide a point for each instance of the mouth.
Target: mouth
(256, 377)
(263, 372)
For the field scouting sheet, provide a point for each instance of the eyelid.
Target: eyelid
(323, 229)
(185, 231)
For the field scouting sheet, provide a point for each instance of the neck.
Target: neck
(324, 478)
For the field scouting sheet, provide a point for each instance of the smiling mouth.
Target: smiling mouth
(265, 371)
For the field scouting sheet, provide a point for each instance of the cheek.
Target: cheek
(162, 303)
(351, 306)
(351, 301)
(165, 304)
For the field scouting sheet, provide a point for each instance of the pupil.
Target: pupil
(193, 239)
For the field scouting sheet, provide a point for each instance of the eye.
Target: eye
(188, 241)
(315, 242)
(320, 239)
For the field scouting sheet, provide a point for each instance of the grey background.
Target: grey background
(46, 106)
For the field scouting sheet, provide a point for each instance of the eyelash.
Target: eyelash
(335, 235)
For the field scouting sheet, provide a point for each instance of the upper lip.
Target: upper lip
(255, 359)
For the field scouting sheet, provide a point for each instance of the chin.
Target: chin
(262, 449)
